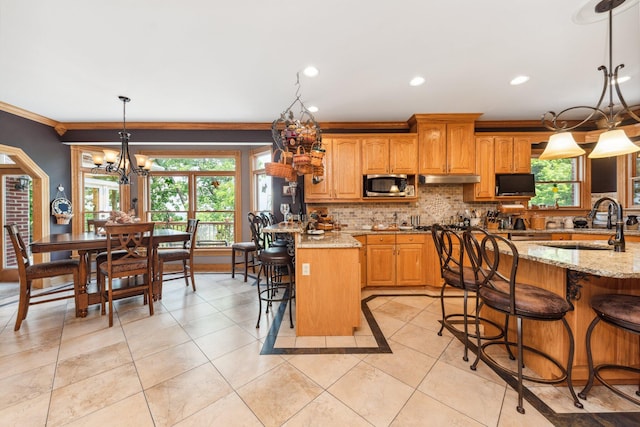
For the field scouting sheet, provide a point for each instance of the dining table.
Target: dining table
(88, 242)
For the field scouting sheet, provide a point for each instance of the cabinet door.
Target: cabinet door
(485, 189)
(381, 265)
(375, 155)
(347, 169)
(321, 191)
(432, 141)
(432, 264)
(521, 155)
(461, 150)
(409, 265)
(504, 154)
(362, 256)
(403, 154)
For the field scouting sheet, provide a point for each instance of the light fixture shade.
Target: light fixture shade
(561, 146)
(613, 143)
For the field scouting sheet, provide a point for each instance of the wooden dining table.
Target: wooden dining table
(85, 243)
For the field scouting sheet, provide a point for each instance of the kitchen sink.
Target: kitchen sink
(578, 246)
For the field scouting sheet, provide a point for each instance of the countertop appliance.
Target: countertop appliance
(387, 185)
(515, 184)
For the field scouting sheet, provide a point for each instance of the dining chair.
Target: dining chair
(129, 255)
(29, 272)
(93, 226)
(184, 254)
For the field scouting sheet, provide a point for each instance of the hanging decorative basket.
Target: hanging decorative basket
(317, 154)
(62, 219)
(279, 169)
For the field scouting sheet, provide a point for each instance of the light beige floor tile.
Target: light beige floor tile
(156, 340)
(180, 397)
(311, 342)
(422, 410)
(228, 411)
(384, 398)
(366, 341)
(31, 412)
(248, 311)
(407, 365)
(601, 399)
(280, 393)
(193, 312)
(145, 324)
(77, 368)
(388, 324)
(246, 364)
(341, 341)
(416, 301)
(324, 369)
(326, 410)
(557, 398)
(129, 412)
(427, 319)
(89, 342)
(285, 342)
(510, 417)
(26, 385)
(482, 403)
(78, 326)
(423, 340)
(398, 310)
(24, 340)
(207, 324)
(79, 399)
(169, 363)
(223, 341)
(453, 356)
(27, 360)
(189, 298)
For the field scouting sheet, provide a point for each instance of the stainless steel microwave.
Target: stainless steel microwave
(385, 185)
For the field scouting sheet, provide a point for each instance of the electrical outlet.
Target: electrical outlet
(306, 269)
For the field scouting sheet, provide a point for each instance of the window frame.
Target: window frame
(254, 173)
(582, 172)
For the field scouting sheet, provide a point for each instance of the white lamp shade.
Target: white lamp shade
(613, 143)
(98, 158)
(110, 156)
(561, 146)
(141, 159)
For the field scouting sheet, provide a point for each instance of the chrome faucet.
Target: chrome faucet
(617, 241)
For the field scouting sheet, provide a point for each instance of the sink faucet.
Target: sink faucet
(618, 239)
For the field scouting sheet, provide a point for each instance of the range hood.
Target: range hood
(449, 179)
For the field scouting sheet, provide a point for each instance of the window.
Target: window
(261, 190)
(100, 193)
(205, 188)
(635, 181)
(557, 181)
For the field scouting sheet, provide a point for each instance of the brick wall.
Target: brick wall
(16, 211)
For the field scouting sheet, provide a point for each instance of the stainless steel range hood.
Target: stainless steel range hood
(449, 179)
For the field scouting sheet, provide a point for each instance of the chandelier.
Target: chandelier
(612, 142)
(119, 163)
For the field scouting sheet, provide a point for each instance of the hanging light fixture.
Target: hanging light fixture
(612, 142)
(121, 163)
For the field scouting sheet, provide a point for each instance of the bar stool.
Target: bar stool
(277, 268)
(620, 311)
(505, 295)
(451, 249)
(246, 249)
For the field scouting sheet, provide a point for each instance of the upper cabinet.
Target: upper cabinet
(446, 144)
(342, 179)
(395, 154)
(512, 154)
(484, 190)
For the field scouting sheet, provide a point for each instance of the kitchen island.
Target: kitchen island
(578, 275)
(327, 284)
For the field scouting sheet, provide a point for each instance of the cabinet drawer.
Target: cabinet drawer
(410, 238)
(378, 239)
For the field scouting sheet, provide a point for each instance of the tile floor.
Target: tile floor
(198, 362)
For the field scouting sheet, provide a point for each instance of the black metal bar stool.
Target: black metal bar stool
(247, 252)
(501, 292)
(451, 250)
(620, 311)
(276, 266)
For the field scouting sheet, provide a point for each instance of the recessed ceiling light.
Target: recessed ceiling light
(519, 80)
(313, 108)
(417, 81)
(311, 71)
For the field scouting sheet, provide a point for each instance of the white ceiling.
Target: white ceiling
(236, 60)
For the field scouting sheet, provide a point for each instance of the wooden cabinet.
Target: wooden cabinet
(512, 154)
(485, 189)
(362, 256)
(446, 148)
(343, 179)
(397, 154)
(395, 260)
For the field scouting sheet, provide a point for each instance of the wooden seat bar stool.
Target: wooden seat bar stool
(619, 311)
(277, 269)
(184, 254)
(501, 292)
(29, 272)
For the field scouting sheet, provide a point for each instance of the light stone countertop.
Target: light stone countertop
(605, 262)
(328, 240)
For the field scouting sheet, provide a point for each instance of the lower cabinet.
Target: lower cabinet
(396, 260)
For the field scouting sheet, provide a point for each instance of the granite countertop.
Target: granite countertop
(604, 262)
(327, 240)
(604, 231)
